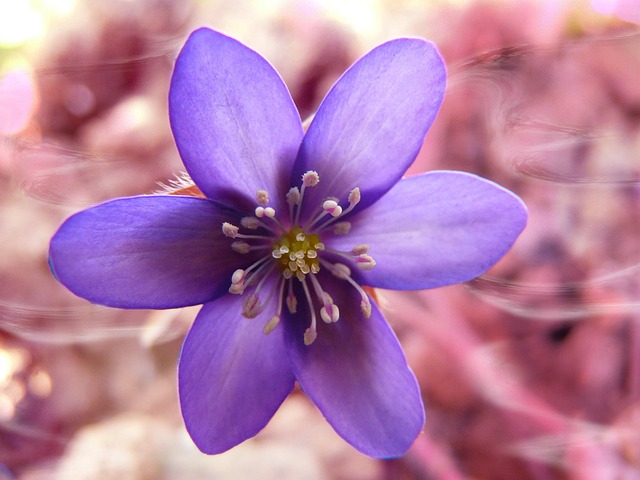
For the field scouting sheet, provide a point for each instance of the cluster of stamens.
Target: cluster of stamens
(294, 253)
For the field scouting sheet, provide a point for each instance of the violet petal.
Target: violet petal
(357, 375)
(233, 119)
(372, 123)
(232, 377)
(145, 252)
(435, 229)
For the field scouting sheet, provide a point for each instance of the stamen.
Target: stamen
(269, 266)
(252, 223)
(271, 325)
(237, 282)
(293, 199)
(354, 198)
(362, 260)
(241, 247)
(239, 279)
(230, 230)
(238, 276)
(293, 196)
(292, 300)
(310, 333)
(310, 179)
(273, 321)
(365, 306)
(341, 228)
(365, 262)
(262, 197)
(360, 249)
(329, 311)
(343, 272)
(251, 305)
(332, 207)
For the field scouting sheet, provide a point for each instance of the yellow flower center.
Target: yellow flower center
(297, 253)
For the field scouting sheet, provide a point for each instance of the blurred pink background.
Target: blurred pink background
(530, 372)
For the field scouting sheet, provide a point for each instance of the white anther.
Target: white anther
(332, 207)
(310, 336)
(365, 262)
(315, 268)
(354, 197)
(319, 246)
(300, 262)
(365, 306)
(304, 268)
(287, 273)
(342, 228)
(251, 306)
(293, 196)
(250, 222)
(292, 266)
(260, 212)
(310, 178)
(360, 249)
(312, 254)
(284, 249)
(237, 282)
(276, 254)
(238, 276)
(292, 256)
(240, 247)
(270, 212)
(330, 313)
(324, 315)
(335, 313)
(271, 325)
(229, 230)
(299, 254)
(300, 237)
(262, 197)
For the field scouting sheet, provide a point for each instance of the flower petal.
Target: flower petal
(145, 252)
(372, 123)
(436, 229)
(233, 119)
(232, 377)
(357, 375)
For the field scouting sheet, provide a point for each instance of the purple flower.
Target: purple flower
(292, 226)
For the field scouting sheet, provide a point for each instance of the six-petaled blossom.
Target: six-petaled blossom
(289, 228)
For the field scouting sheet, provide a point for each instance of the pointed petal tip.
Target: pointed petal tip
(231, 377)
(374, 120)
(452, 226)
(228, 103)
(144, 252)
(357, 375)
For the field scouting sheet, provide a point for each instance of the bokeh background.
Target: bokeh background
(530, 372)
